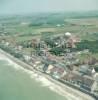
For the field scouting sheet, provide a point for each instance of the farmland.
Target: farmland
(17, 29)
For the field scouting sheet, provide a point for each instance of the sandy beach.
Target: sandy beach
(45, 80)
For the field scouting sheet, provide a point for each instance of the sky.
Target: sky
(31, 6)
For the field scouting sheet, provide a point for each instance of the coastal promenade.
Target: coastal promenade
(62, 89)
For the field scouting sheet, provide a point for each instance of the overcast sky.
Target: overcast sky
(30, 6)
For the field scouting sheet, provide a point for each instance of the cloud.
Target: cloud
(28, 6)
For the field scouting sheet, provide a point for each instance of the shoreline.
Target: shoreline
(55, 85)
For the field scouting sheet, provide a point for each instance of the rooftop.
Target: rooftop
(75, 77)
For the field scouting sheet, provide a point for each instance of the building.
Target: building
(50, 67)
(57, 72)
(35, 42)
(68, 34)
(86, 70)
(19, 47)
(26, 57)
(85, 83)
(72, 40)
(38, 65)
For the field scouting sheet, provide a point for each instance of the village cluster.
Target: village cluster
(65, 66)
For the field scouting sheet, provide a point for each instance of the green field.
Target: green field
(19, 29)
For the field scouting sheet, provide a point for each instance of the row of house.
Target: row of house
(67, 39)
(83, 82)
(55, 71)
(75, 78)
(79, 78)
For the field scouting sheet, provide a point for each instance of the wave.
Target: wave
(39, 78)
(46, 83)
(10, 62)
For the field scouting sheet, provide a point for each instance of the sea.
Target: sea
(17, 83)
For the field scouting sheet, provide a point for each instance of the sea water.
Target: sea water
(17, 83)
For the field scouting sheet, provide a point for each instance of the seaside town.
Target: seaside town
(48, 49)
(58, 56)
(61, 47)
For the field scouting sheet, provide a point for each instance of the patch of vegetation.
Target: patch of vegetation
(57, 50)
(50, 42)
(91, 45)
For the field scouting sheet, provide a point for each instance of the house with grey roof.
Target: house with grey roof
(85, 82)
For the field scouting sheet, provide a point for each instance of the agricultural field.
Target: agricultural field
(19, 29)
